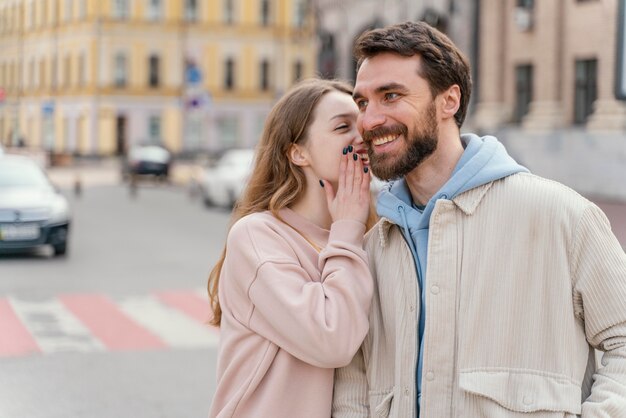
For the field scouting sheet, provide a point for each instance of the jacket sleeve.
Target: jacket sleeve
(321, 322)
(350, 396)
(599, 275)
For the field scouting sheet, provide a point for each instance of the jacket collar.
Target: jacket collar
(467, 202)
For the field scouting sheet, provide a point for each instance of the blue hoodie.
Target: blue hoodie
(483, 161)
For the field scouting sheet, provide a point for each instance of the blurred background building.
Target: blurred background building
(93, 77)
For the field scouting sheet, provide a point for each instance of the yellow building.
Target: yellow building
(93, 77)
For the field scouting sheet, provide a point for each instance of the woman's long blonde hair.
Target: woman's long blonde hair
(275, 181)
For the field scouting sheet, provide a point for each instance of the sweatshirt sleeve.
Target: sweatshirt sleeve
(320, 322)
(599, 273)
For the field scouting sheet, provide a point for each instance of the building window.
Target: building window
(67, 71)
(154, 129)
(265, 75)
(586, 91)
(121, 9)
(82, 70)
(68, 10)
(42, 74)
(297, 71)
(523, 91)
(191, 10)
(31, 75)
(153, 71)
(229, 77)
(31, 14)
(82, 9)
(265, 12)
(299, 16)
(229, 11)
(155, 10)
(120, 74)
(53, 73)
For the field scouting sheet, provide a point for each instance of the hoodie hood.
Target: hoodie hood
(484, 160)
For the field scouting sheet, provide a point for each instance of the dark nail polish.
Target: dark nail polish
(355, 157)
(321, 183)
(350, 148)
(365, 170)
(345, 151)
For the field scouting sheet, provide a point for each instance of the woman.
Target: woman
(292, 290)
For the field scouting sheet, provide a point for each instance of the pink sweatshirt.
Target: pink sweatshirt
(289, 315)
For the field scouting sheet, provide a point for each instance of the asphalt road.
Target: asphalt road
(116, 328)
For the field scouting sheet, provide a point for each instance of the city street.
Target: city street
(116, 328)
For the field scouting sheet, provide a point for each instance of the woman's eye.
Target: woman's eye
(341, 127)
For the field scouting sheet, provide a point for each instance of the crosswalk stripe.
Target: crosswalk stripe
(116, 330)
(93, 322)
(174, 327)
(14, 337)
(53, 327)
(191, 303)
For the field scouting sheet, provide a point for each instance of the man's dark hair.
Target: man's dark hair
(443, 64)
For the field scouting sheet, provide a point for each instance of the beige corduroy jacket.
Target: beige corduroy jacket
(524, 279)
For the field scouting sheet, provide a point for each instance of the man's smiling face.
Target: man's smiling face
(397, 114)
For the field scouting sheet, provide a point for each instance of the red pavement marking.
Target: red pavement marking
(116, 330)
(189, 303)
(14, 337)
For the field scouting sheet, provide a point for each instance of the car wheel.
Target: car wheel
(60, 249)
(231, 199)
(208, 202)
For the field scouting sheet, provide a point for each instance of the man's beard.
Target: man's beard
(421, 145)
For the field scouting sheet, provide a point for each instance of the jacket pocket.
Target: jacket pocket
(380, 403)
(502, 392)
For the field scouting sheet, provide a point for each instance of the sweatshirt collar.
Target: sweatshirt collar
(305, 227)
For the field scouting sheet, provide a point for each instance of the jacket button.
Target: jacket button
(430, 376)
(434, 289)
(528, 400)
(411, 308)
(406, 392)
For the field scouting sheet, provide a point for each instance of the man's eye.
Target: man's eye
(361, 104)
(391, 96)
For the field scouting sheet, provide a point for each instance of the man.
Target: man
(493, 286)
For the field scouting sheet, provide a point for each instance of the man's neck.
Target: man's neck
(428, 178)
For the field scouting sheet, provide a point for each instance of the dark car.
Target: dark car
(32, 212)
(151, 160)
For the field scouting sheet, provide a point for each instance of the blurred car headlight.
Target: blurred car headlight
(59, 210)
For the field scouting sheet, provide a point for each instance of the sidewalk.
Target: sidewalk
(107, 172)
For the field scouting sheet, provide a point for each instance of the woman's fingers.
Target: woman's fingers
(358, 173)
(349, 182)
(365, 183)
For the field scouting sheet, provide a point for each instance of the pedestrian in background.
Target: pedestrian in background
(493, 286)
(292, 290)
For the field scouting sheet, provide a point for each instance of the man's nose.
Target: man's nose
(370, 118)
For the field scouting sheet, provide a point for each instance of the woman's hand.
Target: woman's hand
(352, 199)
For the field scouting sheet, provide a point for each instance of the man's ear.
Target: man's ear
(298, 155)
(451, 101)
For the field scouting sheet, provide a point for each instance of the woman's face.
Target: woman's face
(333, 129)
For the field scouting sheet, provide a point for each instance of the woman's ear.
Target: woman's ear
(298, 155)
(451, 100)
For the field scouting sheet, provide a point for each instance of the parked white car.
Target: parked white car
(223, 184)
